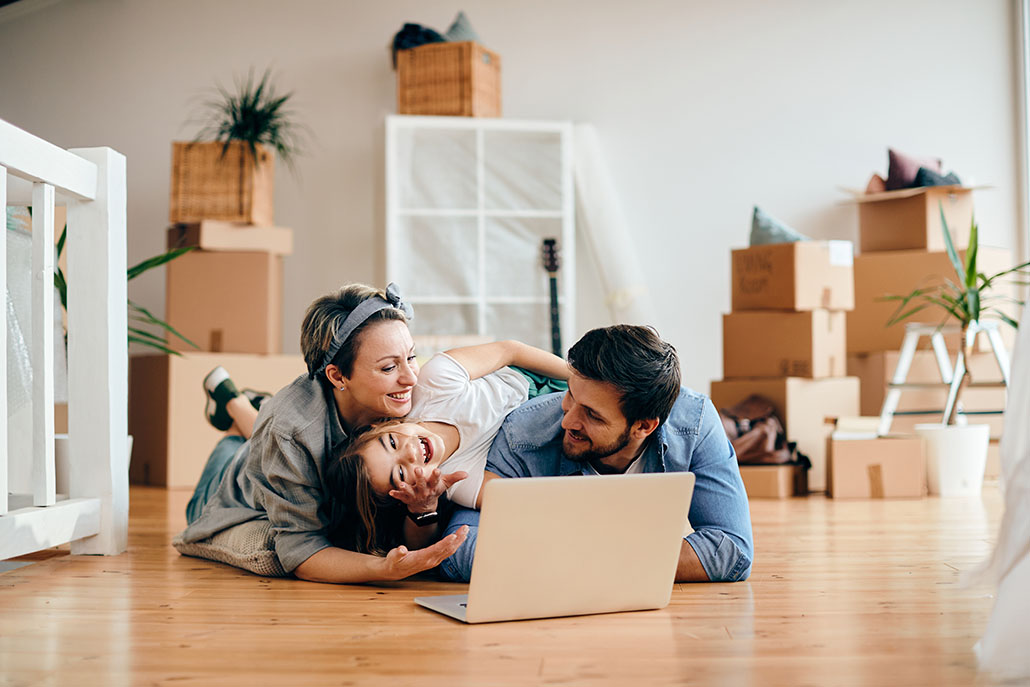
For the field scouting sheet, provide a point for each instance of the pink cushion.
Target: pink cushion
(902, 169)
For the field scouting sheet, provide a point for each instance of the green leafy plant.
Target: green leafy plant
(253, 114)
(967, 299)
(144, 328)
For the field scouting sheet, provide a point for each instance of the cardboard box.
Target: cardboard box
(804, 275)
(910, 219)
(212, 234)
(875, 371)
(774, 481)
(898, 273)
(172, 438)
(803, 405)
(783, 344)
(226, 301)
(876, 468)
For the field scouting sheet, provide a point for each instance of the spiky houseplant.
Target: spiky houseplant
(966, 300)
(255, 115)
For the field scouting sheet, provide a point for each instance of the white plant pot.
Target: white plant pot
(955, 458)
(62, 460)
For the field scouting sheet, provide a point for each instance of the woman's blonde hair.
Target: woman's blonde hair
(360, 519)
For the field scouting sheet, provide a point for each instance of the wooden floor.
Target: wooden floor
(842, 593)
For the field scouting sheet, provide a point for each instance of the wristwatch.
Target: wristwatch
(424, 519)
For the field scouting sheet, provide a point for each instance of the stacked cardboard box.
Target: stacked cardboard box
(226, 297)
(785, 340)
(902, 248)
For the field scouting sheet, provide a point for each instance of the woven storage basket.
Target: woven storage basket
(455, 79)
(233, 188)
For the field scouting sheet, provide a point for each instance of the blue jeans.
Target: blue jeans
(211, 477)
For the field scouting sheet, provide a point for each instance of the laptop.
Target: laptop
(560, 546)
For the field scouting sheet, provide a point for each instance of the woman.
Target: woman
(361, 367)
(397, 468)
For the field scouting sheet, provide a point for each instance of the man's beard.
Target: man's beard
(593, 453)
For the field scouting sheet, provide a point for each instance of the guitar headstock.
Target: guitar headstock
(549, 251)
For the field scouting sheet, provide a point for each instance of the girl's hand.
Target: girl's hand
(401, 562)
(422, 493)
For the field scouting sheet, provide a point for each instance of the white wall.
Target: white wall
(704, 109)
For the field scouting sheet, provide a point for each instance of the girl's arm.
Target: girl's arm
(483, 359)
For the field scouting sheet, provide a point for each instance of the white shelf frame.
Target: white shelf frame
(480, 126)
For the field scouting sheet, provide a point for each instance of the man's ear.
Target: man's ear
(643, 428)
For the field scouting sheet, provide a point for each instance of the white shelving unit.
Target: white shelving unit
(468, 204)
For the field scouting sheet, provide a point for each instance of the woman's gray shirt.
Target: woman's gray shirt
(279, 473)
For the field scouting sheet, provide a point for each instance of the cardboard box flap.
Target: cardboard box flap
(859, 196)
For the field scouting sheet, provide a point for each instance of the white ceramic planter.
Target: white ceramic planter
(62, 461)
(955, 458)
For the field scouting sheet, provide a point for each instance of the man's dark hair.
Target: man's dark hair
(644, 369)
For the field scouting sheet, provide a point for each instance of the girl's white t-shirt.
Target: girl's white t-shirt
(476, 407)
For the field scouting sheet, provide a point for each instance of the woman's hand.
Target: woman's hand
(422, 494)
(401, 562)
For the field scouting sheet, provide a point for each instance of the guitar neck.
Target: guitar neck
(555, 316)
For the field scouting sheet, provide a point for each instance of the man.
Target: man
(626, 412)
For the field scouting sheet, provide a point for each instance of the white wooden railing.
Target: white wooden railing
(91, 181)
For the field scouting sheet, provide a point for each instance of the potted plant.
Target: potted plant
(228, 171)
(957, 453)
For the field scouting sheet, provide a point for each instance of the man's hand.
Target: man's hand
(401, 562)
(422, 493)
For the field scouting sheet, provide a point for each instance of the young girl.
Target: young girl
(401, 468)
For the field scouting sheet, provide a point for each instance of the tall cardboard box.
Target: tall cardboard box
(804, 405)
(782, 344)
(226, 301)
(172, 438)
(804, 275)
(898, 273)
(910, 219)
(876, 468)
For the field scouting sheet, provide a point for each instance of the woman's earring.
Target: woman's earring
(341, 387)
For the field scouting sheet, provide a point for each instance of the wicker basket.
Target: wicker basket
(233, 188)
(455, 79)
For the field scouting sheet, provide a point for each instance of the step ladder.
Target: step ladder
(951, 375)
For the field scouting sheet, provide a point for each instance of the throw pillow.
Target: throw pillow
(902, 169)
(461, 30)
(768, 229)
(928, 177)
(247, 545)
(412, 36)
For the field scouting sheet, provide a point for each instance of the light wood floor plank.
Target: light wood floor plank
(842, 593)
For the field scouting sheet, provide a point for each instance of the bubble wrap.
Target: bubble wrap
(19, 319)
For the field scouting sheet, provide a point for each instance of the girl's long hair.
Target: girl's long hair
(360, 519)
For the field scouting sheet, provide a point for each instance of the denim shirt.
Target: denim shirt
(692, 439)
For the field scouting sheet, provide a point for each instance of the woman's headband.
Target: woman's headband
(357, 317)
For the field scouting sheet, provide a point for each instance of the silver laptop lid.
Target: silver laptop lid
(554, 546)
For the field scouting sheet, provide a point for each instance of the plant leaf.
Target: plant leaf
(971, 256)
(949, 245)
(153, 344)
(156, 261)
(149, 317)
